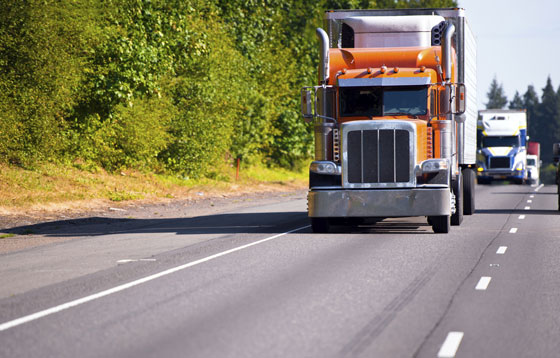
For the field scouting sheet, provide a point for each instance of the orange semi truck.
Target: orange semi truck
(395, 133)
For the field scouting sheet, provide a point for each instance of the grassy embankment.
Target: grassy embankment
(51, 187)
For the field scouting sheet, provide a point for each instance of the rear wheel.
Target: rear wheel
(440, 224)
(457, 218)
(468, 191)
(320, 225)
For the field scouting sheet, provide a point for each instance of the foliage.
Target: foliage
(496, 97)
(543, 118)
(160, 85)
(516, 102)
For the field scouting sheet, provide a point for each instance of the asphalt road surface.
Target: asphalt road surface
(255, 282)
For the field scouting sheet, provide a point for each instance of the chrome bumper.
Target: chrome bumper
(379, 203)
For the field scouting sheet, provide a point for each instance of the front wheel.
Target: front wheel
(468, 191)
(320, 225)
(440, 224)
(457, 218)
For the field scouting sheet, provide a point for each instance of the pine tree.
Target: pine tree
(548, 120)
(531, 103)
(516, 102)
(496, 97)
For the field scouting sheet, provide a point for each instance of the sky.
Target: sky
(518, 42)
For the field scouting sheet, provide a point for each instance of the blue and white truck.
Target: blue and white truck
(502, 146)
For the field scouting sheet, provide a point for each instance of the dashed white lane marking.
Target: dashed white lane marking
(450, 345)
(134, 260)
(521, 217)
(531, 196)
(501, 250)
(64, 306)
(529, 201)
(539, 187)
(483, 283)
(513, 230)
(527, 208)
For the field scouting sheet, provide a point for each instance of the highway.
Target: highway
(254, 281)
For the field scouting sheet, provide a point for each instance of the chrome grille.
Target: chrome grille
(378, 156)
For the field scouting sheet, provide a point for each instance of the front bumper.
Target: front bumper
(380, 202)
(501, 174)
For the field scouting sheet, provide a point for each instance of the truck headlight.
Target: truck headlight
(434, 165)
(324, 167)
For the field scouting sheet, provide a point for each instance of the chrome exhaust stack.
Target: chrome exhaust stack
(324, 56)
(446, 50)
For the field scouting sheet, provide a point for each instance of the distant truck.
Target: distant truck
(395, 118)
(502, 141)
(533, 162)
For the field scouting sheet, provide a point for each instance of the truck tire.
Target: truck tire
(457, 185)
(468, 191)
(558, 197)
(440, 224)
(320, 225)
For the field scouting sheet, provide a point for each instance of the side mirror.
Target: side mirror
(447, 99)
(460, 99)
(307, 104)
(454, 98)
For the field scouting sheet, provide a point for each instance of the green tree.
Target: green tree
(516, 102)
(496, 97)
(547, 121)
(43, 53)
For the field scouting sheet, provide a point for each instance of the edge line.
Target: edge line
(74, 303)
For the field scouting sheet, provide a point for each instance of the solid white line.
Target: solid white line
(527, 208)
(539, 187)
(529, 201)
(483, 283)
(64, 306)
(450, 345)
(513, 230)
(521, 217)
(501, 250)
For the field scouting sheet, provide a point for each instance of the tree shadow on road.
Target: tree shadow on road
(237, 223)
(211, 224)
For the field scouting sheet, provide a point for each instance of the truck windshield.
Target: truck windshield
(380, 101)
(500, 141)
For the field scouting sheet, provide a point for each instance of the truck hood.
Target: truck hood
(500, 151)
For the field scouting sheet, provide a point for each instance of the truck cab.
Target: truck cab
(502, 140)
(533, 169)
(387, 117)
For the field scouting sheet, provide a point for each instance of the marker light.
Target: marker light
(396, 70)
(479, 169)
(369, 70)
(343, 71)
(422, 68)
(383, 69)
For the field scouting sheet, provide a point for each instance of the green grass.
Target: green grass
(50, 185)
(5, 236)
